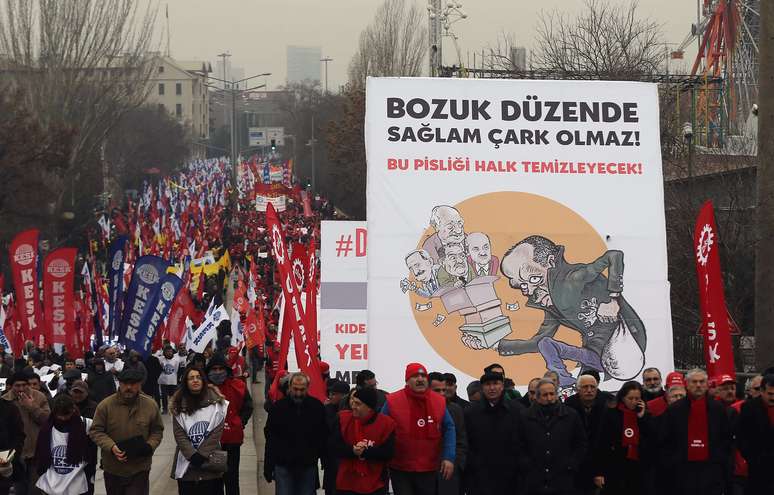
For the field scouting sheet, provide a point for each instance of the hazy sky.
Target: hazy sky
(257, 32)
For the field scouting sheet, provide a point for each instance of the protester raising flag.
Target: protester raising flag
(198, 339)
(712, 300)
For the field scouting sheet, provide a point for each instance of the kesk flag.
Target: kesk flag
(117, 256)
(159, 307)
(58, 295)
(712, 300)
(145, 282)
(198, 339)
(23, 254)
(296, 323)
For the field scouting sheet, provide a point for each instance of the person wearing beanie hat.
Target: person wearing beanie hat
(674, 390)
(425, 437)
(474, 391)
(363, 441)
(240, 408)
(79, 391)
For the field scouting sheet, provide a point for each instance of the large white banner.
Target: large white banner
(517, 222)
(343, 284)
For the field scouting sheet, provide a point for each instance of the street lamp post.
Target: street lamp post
(325, 60)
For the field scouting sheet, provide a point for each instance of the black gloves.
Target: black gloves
(268, 474)
(197, 459)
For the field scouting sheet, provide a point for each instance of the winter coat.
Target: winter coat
(240, 408)
(551, 449)
(296, 434)
(210, 443)
(153, 368)
(493, 447)
(592, 420)
(32, 417)
(755, 436)
(101, 385)
(369, 473)
(117, 420)
(11, 437)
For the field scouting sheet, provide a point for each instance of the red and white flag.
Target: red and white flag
(23, 254)
(58, 296)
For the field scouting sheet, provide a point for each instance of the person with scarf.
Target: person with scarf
(236, 363)
(621, 445)
(198, 417)
(696, 450)
(66, 457)
(363, 440)
(240, 408)
(552, 444)
(425, 438)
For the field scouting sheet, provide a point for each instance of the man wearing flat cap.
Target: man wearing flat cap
(127, 427)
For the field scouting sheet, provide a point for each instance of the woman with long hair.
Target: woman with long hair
(198, 415)
(65, 456)
(625, 435)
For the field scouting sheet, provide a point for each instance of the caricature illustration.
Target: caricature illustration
(462, 270)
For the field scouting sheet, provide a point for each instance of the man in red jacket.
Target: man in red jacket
(425, 439)
(240, 408)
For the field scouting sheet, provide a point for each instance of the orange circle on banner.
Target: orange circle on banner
(507, 218)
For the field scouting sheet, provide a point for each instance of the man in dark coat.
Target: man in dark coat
(453, 485)
(151, 385)
(492, 426)
(577, 296)
(590, 406)
(552, 444)
(101, 383)
(696, 442)
(296, 437)
(755, 438)
(451, 391)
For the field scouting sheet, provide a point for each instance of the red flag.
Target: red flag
(296, 323)
(311, 294)
(240, 298)
(717, 338)
(181, 308)
(12, 328)
(23, 255)
(58, 296)
(306, 200)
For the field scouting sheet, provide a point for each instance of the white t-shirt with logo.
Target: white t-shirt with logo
(198, 425)
(169, 369)
(63, 478)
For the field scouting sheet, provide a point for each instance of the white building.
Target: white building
(304, 63)
(179, 88)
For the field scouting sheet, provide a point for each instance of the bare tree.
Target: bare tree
(78, 64)
(394, 44)
(500, 54)
(605, 41)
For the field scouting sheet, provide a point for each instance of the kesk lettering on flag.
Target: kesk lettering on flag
(116, 257)
(58, 286)
(207, 331)
(23, 254)
(146, 279)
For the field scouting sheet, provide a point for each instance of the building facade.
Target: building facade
(303, 63)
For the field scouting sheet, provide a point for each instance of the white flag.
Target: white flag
(207, 331)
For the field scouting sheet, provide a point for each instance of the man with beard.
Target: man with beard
(455, 270)
(425, 438)
(697, 441)
(449, 229)
(675, 390)
(127, 428)
(296, 435)
(577, 296)
(425, 274)
(651, 384)
(480, 254)
(100, 381)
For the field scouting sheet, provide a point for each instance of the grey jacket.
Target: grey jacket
(210, 443)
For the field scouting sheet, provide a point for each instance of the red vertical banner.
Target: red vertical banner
(58, 297)
(311, 294)
(295, 319)
(23, 254)
(712, 300)
(181, 309)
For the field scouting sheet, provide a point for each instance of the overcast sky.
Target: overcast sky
(257, 32)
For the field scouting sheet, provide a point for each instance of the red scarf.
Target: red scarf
(419, 413)
(630, 435)
(698, 434)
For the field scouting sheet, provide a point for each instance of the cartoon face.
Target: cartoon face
(527, 275)
(420, 266)
(455, 262)
(479, 248)
(450, 225)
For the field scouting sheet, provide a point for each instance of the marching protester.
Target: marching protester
(726, 390)
(296, 438)
(452, 485)
(338, 391)
(240, 408)
(363, 440)
(425, 438)
(33, 379)
(651, 384)
(529, 398)
(620, 447)
(79, 391)
(170, 362)
(101, 382)
(552, 443)
(492, 425)
(151, 385)
(66, 457)
(11, 439)
(113, 364)
(199, 413)
(696, 445)
(135, 363)
(755, 438)
(34, 411)
(451, 391)
(474, 391)
(127, 427)
(675, 390)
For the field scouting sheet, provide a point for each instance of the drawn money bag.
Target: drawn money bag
(622, 357)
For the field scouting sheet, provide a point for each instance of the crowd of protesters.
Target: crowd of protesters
(682, 435)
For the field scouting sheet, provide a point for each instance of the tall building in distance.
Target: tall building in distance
(232, 73)
(304, 63)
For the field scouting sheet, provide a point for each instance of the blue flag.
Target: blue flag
(116, 256)
(157, 311)
(146, 280)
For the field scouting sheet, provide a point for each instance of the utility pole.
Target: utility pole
(314, 169)
(764, 269)
(325, 61)
(223, 57)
